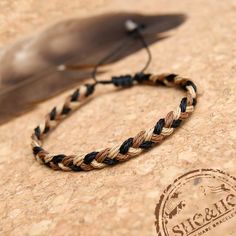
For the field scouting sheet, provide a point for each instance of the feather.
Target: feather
(30, 68)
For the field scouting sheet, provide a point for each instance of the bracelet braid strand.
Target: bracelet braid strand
(129, 148)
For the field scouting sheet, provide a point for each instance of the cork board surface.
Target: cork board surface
(121, 200)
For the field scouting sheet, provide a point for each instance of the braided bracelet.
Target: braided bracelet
(130, 147)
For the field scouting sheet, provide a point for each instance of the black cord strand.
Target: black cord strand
(106, 58)
(145, 45)
(136, 34)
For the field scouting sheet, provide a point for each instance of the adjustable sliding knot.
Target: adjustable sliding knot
(125, 80)
(122, 81)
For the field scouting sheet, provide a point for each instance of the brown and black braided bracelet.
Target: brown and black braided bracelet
(130, 147)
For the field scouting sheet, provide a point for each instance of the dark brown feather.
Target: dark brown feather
(29, 71)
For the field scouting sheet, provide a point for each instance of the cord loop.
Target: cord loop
(132, 146)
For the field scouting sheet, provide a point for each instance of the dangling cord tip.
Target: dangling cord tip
(133, 29)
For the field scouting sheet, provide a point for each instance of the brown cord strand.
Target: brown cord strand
(129, 148)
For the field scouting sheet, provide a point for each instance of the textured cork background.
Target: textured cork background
(121, 200)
